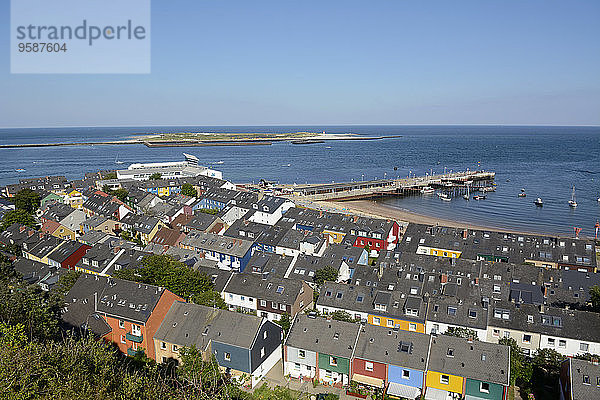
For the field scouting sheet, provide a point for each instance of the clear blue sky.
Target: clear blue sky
(335, 62)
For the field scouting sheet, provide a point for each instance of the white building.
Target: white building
(168, 170)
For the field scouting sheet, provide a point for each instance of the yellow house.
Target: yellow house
(74, 198)
(432, 251)
(444, 381)
(64, 233)
(334, 236)
(391, 322)
(42, 249)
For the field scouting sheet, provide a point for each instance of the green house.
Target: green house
(476, 389)
(333, 368)
(50, 198)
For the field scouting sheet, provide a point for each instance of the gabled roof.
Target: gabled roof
(189, 324)
(332, 337)
(128, 300)
(488, 362)
(280, 290)
(394, 347)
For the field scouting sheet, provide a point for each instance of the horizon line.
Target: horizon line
(285, 125)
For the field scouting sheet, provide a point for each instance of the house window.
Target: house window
(451, 310)
(526, 338)
(333, 361)
(301, 354)
(484, 387)
(136, 330)
(376, 321)
(390, 323)
(121, 324)
(405, 374)
(262, 352)
(282, 307)
(122, 339)
(584, 347)
(450, 352)
(496, 332)
(496, 289)
(472, 314)
(274, 305)
(163, 345)
(412, 327)
(264, 334)
(586, 379)
(227, 356)
(562, 343)
(175, 347)
(297, 366)
(551, 342)
(263, 303)
(444, 379)
(368, 366)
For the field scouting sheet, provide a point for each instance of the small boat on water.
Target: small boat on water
(522, 194)
(446, 198)
(479, 197)
(466, 196)
(573, 201)
(220, 162)
(538, 202)
(117, 160)
(442, 195)
(20, 170)
(427, 190)
(327, 147)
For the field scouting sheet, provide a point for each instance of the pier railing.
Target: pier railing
(386, 187)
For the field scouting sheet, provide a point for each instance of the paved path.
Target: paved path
(275, 378)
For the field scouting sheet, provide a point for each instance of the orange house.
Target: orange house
(134, 311)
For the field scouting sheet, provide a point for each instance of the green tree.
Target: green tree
(162, 270)
(121, 194)
(110, 175)
(27, 200)
(324, 274)
(209, 298)
(188, 190)
(18, 216)
(520, 369)
(595, 297)
(66, 282)
(285, 322)
(340, 315)
(155, 176)
(465, 333)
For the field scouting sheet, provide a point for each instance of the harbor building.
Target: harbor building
(168, 170)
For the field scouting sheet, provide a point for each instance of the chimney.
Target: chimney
(465, 233)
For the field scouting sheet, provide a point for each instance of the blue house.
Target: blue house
(392, 359)
(231, 254)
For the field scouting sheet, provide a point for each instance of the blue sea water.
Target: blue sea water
(545, 161)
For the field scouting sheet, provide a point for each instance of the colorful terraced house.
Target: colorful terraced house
(460, 368)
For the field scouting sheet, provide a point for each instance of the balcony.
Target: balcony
(134, 338)
(131, 352)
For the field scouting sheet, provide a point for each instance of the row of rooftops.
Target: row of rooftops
(457, 356)
(516, 248)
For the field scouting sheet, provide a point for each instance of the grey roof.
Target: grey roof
(325, 336)
(189, 324)
(128, 300)
(65, 251)
(268, 264)
(579, 369)
(468, 313)
(395, 347)
(201, 221)
(79, 311)
(45, 246)
(57, 211)
(94, 237)
(281, 290)
(217, 243)
(32, 271)
(488, 362)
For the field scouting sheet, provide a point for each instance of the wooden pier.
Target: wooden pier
(451, 182)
